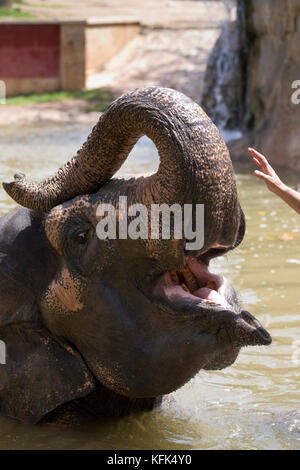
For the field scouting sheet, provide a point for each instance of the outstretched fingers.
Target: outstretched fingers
(262, 175)
(267, 173)
(260, 161)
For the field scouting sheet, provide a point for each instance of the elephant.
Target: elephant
(102, 327)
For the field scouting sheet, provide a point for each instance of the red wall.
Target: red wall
(29, 51)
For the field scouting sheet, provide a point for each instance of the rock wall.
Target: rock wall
(265, 57)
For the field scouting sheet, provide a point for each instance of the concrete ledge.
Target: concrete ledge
(87, 21)
(112, 21)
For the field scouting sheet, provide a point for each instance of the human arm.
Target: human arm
(273, 182)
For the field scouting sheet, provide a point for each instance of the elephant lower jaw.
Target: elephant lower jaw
(194, 292)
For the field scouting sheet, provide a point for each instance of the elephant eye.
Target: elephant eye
(82, 237)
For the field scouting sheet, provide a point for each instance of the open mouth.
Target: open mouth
(197, 294)
(194, 283)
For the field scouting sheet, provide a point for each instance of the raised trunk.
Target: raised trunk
(194, 159)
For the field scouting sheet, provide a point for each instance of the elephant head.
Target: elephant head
(136, 316)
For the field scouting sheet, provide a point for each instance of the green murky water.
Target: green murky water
(254, 404)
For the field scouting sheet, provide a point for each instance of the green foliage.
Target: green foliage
(14, 13)
(39, 5)
(97, 100)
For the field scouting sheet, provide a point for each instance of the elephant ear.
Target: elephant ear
(40, 373)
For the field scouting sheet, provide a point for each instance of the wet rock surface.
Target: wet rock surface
(222, 82)
(267, 61)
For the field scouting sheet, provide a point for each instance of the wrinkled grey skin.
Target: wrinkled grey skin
(89, 325)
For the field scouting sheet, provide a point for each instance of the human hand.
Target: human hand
(268, 174)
